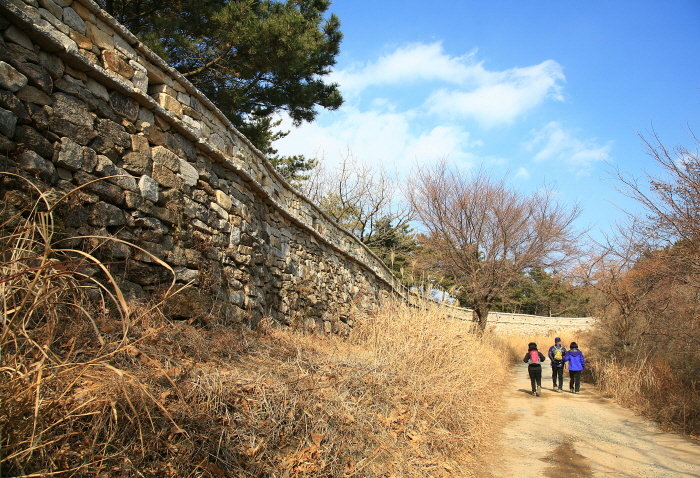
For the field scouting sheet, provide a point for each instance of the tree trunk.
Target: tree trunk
(480, 316)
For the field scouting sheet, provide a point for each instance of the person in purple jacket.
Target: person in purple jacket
(576, 362)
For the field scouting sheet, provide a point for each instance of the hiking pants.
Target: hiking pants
(557, 373)
(574, 380)
(535, 377)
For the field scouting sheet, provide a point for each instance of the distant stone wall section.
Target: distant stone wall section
(81, 98)
(526, 324)
(534, 324)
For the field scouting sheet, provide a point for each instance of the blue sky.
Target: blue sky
(543, 91)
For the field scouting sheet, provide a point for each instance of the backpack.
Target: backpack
(534, 356)
(558, 354)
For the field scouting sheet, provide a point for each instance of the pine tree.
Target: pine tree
(252, 58)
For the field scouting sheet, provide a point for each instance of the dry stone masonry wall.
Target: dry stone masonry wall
(536, 325)
(524, 324)
(82, 99)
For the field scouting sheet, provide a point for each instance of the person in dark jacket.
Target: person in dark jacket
(576, 365)
(556, 356)
(534, 368)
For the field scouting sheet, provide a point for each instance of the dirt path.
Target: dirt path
(560, 435)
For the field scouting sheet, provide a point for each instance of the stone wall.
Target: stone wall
(82, 99)
(534, 324)
(525, 324)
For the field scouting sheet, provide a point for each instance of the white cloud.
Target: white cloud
(413, 63)
(555, 144)
(489, 97)
(442, 142)
(522, 174)
(399, 127)
(503, 96)
(378, 136)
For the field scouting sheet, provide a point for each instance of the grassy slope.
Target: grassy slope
(93, 386)
(405, 395)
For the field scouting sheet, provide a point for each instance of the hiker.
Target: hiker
(534, 358)
(576, 365)
(556, 356)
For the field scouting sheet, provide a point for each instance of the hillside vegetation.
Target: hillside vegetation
(646, 283)
(95, 386)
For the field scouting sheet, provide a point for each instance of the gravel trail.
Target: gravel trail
(565, 435)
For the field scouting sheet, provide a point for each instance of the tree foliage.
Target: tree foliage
(252, 58)
(539, 292)
(394, 242)
(294, 169)
(648, 274)
(486, 234)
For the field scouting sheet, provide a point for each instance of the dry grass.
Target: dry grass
(652, 387)
(432, 385)
(91, 386)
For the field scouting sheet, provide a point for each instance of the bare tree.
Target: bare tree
(660, 249)
(670, 226)
(621, 292)
(486, 233)
(363, 199)
(648, 278)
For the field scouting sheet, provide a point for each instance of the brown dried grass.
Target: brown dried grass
(652, 386)
(91, 386)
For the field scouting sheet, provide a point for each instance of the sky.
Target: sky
(541, 92)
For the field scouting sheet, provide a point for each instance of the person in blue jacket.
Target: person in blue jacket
(576, 362)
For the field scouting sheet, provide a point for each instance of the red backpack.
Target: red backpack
(534, 356)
